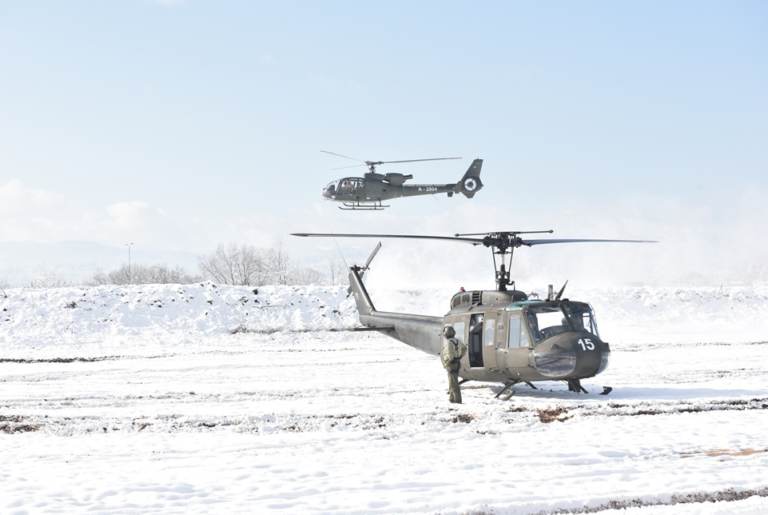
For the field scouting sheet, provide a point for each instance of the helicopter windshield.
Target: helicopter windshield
(547, 320)
(330, 190)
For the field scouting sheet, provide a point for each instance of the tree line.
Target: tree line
(237, 264)
(231, 263)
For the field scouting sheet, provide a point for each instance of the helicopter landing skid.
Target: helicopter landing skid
(362, 206)
(574, 385)
(510, 394)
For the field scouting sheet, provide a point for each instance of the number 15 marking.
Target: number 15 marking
(586, 343)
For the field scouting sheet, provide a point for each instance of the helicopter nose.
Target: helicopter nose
(571, 355)
(327, 193)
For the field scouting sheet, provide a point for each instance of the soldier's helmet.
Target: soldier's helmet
(449, 332)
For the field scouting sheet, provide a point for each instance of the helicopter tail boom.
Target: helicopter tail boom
(470, 183)
(418, 331)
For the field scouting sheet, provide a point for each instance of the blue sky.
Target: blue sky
(182, 124)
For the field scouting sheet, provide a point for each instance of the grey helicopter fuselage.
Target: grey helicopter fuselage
(510, 338)
(369, 191)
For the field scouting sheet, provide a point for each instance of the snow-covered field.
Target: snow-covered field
(198, 399)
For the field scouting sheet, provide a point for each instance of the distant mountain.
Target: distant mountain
(24, 261)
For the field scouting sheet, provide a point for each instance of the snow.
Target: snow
(151, 399)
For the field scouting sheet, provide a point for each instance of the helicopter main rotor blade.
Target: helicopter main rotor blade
(352, 158)
(345, 167)
(414, 160)
(473, 241)
(544, 242)
(500, 242)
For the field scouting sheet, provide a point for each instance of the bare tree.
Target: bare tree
(50, 280)
(280, 264)
(336, 269)
(141, 274)
(236, 264)
(753, 272)
(305, 275)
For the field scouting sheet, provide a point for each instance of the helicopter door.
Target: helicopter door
(489, 343)
(373, 190)
(360, 188)
(517, 342)
(351, 186)
(475, 342)
(501, 340)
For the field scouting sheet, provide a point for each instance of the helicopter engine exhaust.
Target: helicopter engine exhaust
(397, 179)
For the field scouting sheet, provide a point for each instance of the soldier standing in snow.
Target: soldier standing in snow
(453, 351)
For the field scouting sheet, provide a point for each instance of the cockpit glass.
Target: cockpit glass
(582, 317)
(331, 188)
(546, 320)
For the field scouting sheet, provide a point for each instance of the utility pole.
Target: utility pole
(130, 276)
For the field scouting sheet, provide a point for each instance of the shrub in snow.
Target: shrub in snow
(141, 274)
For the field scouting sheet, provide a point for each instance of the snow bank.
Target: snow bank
(625, 315)
(644, 314)
(37, 316)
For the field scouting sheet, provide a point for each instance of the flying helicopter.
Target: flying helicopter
(367, 193)
(511, 337)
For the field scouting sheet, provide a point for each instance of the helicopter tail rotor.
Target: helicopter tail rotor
(362, 299)
(470, 183)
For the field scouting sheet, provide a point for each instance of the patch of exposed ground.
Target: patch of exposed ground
(562, 413)
(727, 495)
(16, 424)
(715, 453)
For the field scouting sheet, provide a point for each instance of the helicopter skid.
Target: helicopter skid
(361, 206)
(507, 387)
(574, 385)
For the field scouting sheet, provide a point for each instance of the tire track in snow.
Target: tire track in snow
(515, 418)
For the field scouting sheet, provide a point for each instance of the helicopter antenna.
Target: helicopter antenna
(560, 293)
(342, 254)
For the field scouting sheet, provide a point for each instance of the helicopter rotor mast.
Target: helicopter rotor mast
(503, 243)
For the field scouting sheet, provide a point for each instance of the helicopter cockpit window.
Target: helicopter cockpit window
(582, 317)
(547, 320)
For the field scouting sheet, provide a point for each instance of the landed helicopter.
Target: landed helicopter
(367, 193)
(511, 338)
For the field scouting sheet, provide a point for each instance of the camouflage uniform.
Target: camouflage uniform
(453, 351)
